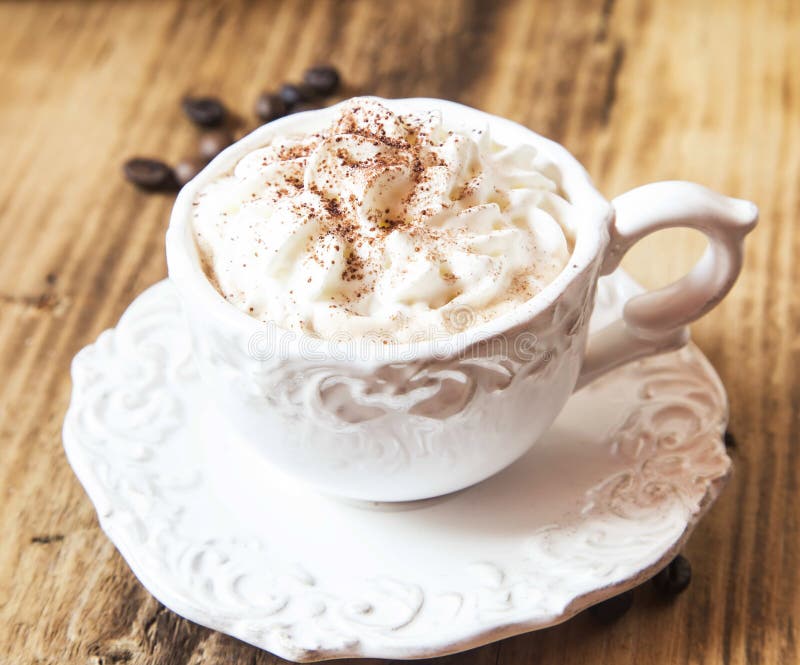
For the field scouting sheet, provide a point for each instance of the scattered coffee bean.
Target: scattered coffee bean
(324, 79)
(270, 106)
(214, 142)
(730, 440)
(188, 168)
(211, 113)
(204, 111)
(293, 94)
(675, 577)
(150, 174)
(612, 609)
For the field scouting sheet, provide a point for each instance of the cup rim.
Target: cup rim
(186, 272)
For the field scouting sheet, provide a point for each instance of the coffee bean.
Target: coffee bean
(324, 79)
(612, 609)
(293, 94)
(675, 577)
(204, 111)
(730, 440)
(270, 106)
(150, 174)
(214, 142)
(188, 168)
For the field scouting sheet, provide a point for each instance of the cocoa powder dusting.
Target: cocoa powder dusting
(395, 147)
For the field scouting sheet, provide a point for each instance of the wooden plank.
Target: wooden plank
(638, 90)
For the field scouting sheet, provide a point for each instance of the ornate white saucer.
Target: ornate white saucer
(604, 500)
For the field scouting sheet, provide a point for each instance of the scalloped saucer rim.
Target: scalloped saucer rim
(420, 580)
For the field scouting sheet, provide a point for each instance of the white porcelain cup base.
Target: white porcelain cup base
(599, 504)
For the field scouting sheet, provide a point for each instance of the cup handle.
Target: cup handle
(656, 321)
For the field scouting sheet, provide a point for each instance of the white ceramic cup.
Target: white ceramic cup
(409, 421)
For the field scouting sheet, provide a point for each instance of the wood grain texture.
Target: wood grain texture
(639, 91)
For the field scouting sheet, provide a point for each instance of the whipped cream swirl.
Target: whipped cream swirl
(401, 226)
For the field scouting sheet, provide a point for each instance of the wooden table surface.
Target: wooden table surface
(638, 91)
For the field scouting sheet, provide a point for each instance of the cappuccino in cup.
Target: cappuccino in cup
(404, 226)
